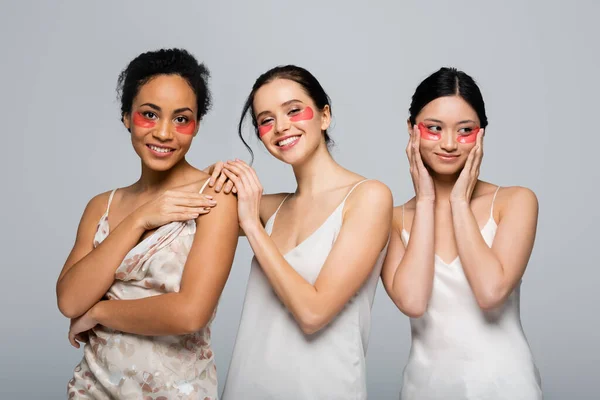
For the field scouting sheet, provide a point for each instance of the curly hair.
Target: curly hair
(164, 62)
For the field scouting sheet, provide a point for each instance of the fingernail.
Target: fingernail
(218, 188)
(208, 197)
(210, 182)
(213, 202)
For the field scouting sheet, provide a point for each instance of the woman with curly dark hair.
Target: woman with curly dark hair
(142, 282)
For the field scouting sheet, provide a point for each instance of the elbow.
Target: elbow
(192, 322)
(69, 308)
(412, 308)
(311, 322)
(491, 298)
(412, 305)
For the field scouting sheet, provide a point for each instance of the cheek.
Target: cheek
(187, 129)
(306, 115)
(264, 129)
(427, 134)
(466, 139)
(142, 122)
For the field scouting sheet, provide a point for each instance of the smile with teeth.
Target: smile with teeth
(160, 149)
(287, 141)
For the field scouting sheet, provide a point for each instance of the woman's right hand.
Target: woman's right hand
(422, 182)
(218, 179)
(173, 205)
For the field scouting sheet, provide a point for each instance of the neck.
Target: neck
(156, 181)
(317, 173)
(443, 185)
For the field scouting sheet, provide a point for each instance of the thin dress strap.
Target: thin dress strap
(493, 200)
(204, 186)
(354, 187)
(280, 204)
(110, 198)
(403, 227)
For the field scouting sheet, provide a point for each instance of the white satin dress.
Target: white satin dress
(460, 352)
(274, 360)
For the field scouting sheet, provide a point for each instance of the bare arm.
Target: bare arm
(205, 274)
(407, 273)
(363, 235)
(88, 273)
(494, 272)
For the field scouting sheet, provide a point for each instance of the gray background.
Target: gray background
(537, 64)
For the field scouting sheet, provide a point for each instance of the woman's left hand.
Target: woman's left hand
(79, 329)
(249, 192)
(467, 180)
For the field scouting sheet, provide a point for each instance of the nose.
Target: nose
(448, 142)
(163, 131)
(282, 124)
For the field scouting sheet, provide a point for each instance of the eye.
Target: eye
(434, 128)
(294, 111)
(149, 115)
(465, 131)
(265, 121)
(181, 120)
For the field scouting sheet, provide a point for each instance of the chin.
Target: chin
(160, 166)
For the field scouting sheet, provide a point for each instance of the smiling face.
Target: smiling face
(289, 123)
(448, 127)
(163, 121)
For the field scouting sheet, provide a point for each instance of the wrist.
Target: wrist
(425, 201)
(459, 203)
(95, 313)
(251, 227)
(136, 222)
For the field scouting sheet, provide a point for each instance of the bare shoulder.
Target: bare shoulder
(371, 194)
(516, 198)
(98, 204)
(269, 203)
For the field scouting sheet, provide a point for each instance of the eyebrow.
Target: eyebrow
(282, 105)
(465, 121)
(157, 108)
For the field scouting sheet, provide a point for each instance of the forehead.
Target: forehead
(277, 92)
(166, 89)
(449, 109)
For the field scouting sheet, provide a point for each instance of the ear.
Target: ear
(126, 121)
(325, 117)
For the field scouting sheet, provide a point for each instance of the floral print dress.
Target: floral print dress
(126, 366)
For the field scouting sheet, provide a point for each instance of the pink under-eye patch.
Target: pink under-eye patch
(305, 115)
(427, 134)
(264, 129)
(188, 128)
(142, 121)
(470, 138)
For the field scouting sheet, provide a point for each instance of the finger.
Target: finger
(233, 167)
(72, 340)
(250, 173)
(409, 148)
(480, 141)
(82, 337)
(245, 177)
(216, 172)
(236, 181)
(470, 158)
(191, 199)
(228, 187)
